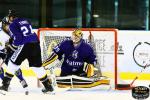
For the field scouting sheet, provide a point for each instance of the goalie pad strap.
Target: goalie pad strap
(50, 59)
(74, 79)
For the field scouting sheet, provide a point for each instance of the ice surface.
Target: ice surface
(16, 92)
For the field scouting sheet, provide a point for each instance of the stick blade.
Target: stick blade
(123, 87)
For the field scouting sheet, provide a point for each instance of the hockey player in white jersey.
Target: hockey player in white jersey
(5, 52)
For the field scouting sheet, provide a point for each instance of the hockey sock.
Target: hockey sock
(19, 75)
(1, 73)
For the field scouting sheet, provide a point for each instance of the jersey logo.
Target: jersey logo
(75, 54)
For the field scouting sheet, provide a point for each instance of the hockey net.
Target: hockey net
(103, 41)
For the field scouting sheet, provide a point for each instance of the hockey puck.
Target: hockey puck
(27, 92)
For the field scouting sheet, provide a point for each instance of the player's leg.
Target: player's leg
(14, 63)
(8, 76)
(35, 62)
(1, 73)
(18, 73)
(2, 57)
(42, 76)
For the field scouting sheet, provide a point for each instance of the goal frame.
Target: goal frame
(117, 86)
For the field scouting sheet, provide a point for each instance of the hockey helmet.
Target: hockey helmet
(12, 13)
(77, 32)
(5, 20)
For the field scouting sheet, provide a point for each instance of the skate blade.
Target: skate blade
(49, 92)
(2, 92)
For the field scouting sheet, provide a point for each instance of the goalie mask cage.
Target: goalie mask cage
(103, 41)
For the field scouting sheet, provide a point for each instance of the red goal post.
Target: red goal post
(103, 40)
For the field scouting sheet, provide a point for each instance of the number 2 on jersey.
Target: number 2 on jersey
(27, 30)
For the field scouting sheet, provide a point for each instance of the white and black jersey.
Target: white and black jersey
(4, 38)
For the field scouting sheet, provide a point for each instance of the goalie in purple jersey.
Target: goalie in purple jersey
(26, 46)
(79, 57)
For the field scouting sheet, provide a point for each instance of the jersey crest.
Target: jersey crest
(75, 54)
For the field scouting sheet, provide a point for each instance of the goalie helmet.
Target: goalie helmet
(77, 32)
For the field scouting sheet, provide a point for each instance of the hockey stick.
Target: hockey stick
(138, 75)
(2, 63)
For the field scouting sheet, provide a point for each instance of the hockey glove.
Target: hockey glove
(89, 69)
(3, 53)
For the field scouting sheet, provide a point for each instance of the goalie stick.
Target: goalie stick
(91, 40)
(138, 75)
(141, 57)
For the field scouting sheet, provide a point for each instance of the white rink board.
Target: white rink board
(128, 40)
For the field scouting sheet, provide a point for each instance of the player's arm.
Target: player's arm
(15, 34)
(56, 54)
(50, 59)
(5, 28)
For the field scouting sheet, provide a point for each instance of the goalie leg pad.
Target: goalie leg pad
(74, 81)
